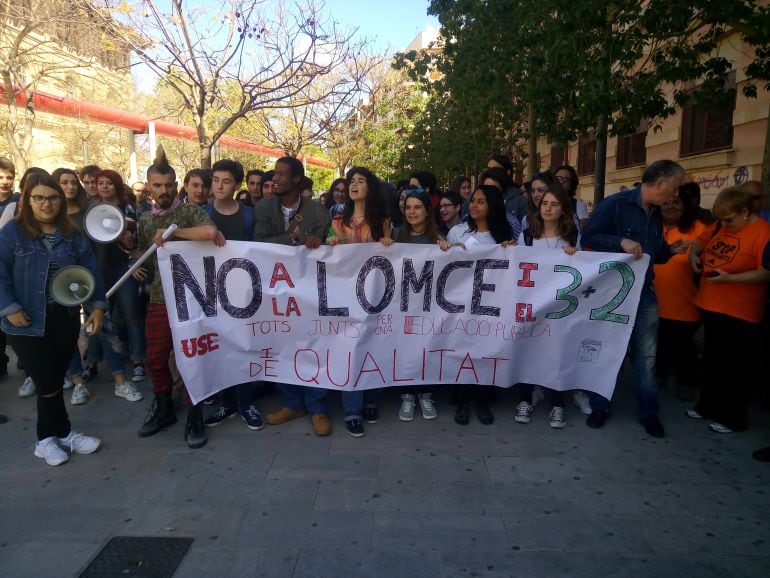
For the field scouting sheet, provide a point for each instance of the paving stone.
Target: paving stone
(542, 469)
(571, 533)
(439, 530)
(375, 496)
(507, 562)
(433, 468)
(314, 529)
(323, 467)
(667, 566)
(374, 563)
(209, 558)
(45, 559)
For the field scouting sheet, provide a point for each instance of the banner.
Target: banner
(366, 316)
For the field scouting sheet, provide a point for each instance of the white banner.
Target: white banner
(367, 316)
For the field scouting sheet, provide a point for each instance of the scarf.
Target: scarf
(156, 212)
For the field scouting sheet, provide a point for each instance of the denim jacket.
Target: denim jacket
(622, 216)
(24, 275)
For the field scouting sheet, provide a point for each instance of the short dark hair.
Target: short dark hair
(253, 172)
(504, 161)
(573, 178)
(306, 183)
(202, 174)
(161, 166)
(663, 169)
(295, 165)
(89, 170)
(453, 197)
(498, 175)
(426, 179)
(230, 166)
(691, 189)
(7, 165)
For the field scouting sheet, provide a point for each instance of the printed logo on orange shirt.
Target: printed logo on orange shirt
(722, 251)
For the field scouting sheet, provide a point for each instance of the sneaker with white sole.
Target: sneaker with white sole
(80, 394)
(253, 418)
(406, 411)
(79, 443)
(692, 413)
(138, 373)
(427, 407)
(128, 392)
(50, 451)
(223, 412)
(523, 412)
(27, 389)
(582, 401)
(556, 417)
(68, 383)
(720, 428)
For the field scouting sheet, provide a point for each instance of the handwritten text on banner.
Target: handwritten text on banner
(366, 316)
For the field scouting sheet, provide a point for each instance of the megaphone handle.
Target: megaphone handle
(147, 254)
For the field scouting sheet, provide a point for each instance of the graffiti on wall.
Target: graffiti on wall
(715, 181)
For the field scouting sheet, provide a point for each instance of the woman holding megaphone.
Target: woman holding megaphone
(39, 242)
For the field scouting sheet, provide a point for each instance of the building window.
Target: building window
(632, 148)
(586, 164)
(558, 156)
(707, 127)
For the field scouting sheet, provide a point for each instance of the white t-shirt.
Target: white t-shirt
(581, 209)
(460, 234)
(549, 243)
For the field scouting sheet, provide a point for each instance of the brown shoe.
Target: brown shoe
(283, 415)
(321, 424)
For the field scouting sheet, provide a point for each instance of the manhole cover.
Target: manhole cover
(140, 557)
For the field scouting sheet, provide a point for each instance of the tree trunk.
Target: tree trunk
(532, 167)
(601, 158)
(766, 161)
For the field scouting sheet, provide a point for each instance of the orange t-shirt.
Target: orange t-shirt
(734, 253)
(674, 284)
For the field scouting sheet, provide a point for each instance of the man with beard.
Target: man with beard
(193, 225)
(287, 218)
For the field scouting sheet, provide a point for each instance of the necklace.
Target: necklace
(548, 242)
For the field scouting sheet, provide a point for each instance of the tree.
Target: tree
(562, 68)
(269, 54)
(374, 131)
(57, 45)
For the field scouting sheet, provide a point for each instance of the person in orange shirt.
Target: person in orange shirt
(676, 291)
(732, 295)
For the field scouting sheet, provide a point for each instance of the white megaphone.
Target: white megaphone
(104, 222)
(72, 286)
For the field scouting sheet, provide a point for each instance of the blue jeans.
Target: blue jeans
(75, 368)
(642, 348)
(299, 397)
(353, 402)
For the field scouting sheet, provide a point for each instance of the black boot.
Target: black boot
(161, 415)
(194, 432)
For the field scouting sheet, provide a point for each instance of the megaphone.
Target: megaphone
(104, 222)
(71, 286)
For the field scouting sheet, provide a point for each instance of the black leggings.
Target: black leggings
(46, 360)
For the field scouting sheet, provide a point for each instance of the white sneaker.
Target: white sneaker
(406, 412)
(427, 407)
(68, 383)
(50, 451)
(582, 401)
(79, 443)
(557, 417)
(523, 412)
(80, 394)
(537, 395)
(27, 389)
(128, 391)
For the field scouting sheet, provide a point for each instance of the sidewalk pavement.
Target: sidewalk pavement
(425, 498)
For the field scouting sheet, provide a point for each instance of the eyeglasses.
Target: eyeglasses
(563, 178)
(41, 199)
(445, 205)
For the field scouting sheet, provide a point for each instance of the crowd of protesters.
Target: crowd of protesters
(709, 270)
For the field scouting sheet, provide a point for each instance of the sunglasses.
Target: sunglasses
(410, 192)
